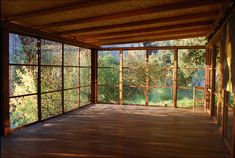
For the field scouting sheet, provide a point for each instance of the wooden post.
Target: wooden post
(220, 97)
(39, 80)
(212, 95)
(147, 78)
(120, 78)
(206, 99)
(94, 81)
(5, 118)
(233, 132)
(194, 98)
(62, 92)
(175, 78)
(225, 115)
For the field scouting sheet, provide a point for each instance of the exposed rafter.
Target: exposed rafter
(173, 37)
(147, 30)
(154, 35)
(130, 13)
(81, 5)
(209, 15)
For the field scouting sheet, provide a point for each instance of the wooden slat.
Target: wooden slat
(148, 30)
(111, 131)
(140, 23)
(212, 95)
(131, 13)
(77, 6)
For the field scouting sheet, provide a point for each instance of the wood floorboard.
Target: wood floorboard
(110, 131)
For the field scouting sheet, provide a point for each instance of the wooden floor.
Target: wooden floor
(120, 131)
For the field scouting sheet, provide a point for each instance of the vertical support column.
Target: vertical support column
(39, 81)
(147, 78)
(120, 78)
(175, 78)
(206, 99)
(225, 115)
(220, 96)
(212, 96)
(62, 92)
(5, 118)
(94, 80)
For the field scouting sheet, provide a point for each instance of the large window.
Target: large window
(46, 75)
(108, 76)
(191, 73)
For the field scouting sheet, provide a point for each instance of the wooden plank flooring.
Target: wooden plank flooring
(104, 130)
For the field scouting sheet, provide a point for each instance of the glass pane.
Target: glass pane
(108, 76)
(185, 97)
(51, 53)
(85, 76)
(85, 96)
(22, 49)
(134, 95)
(134, 59)
(108, 94)
(51, 78)
(108, 59)
(161, 58)
(158, 77)
(71, 99)
(23, 110)
(191, 58)
(191, 77)
(85, 57)
(134, 77)
(161, 96)
(23, 80)
(71, 77)
(71, 55)
(51, 104)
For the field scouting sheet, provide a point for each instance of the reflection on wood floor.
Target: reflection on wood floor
(104, 130)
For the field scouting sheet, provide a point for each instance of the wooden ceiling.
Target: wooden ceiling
(101, 22)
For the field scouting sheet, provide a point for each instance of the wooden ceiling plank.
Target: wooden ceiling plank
(130, 13)
(168, 27)
(154, 39)
(82, 5)
(204, 30)
(141, 23)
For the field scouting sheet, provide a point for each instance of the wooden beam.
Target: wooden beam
(4, 71)
(36, 33)
(131, 13)
(159, 35)
(175, 78)
(76, 6)
(152, 48)
(140, 23)
(212, 95)
(148, 30)
(221, 15)
(94, 80)
(155, 39)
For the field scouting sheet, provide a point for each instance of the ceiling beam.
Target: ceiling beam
(131, 13)
(81, 5)
(209, 15)
(147, 30)
(154, 35)
(173, 37)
